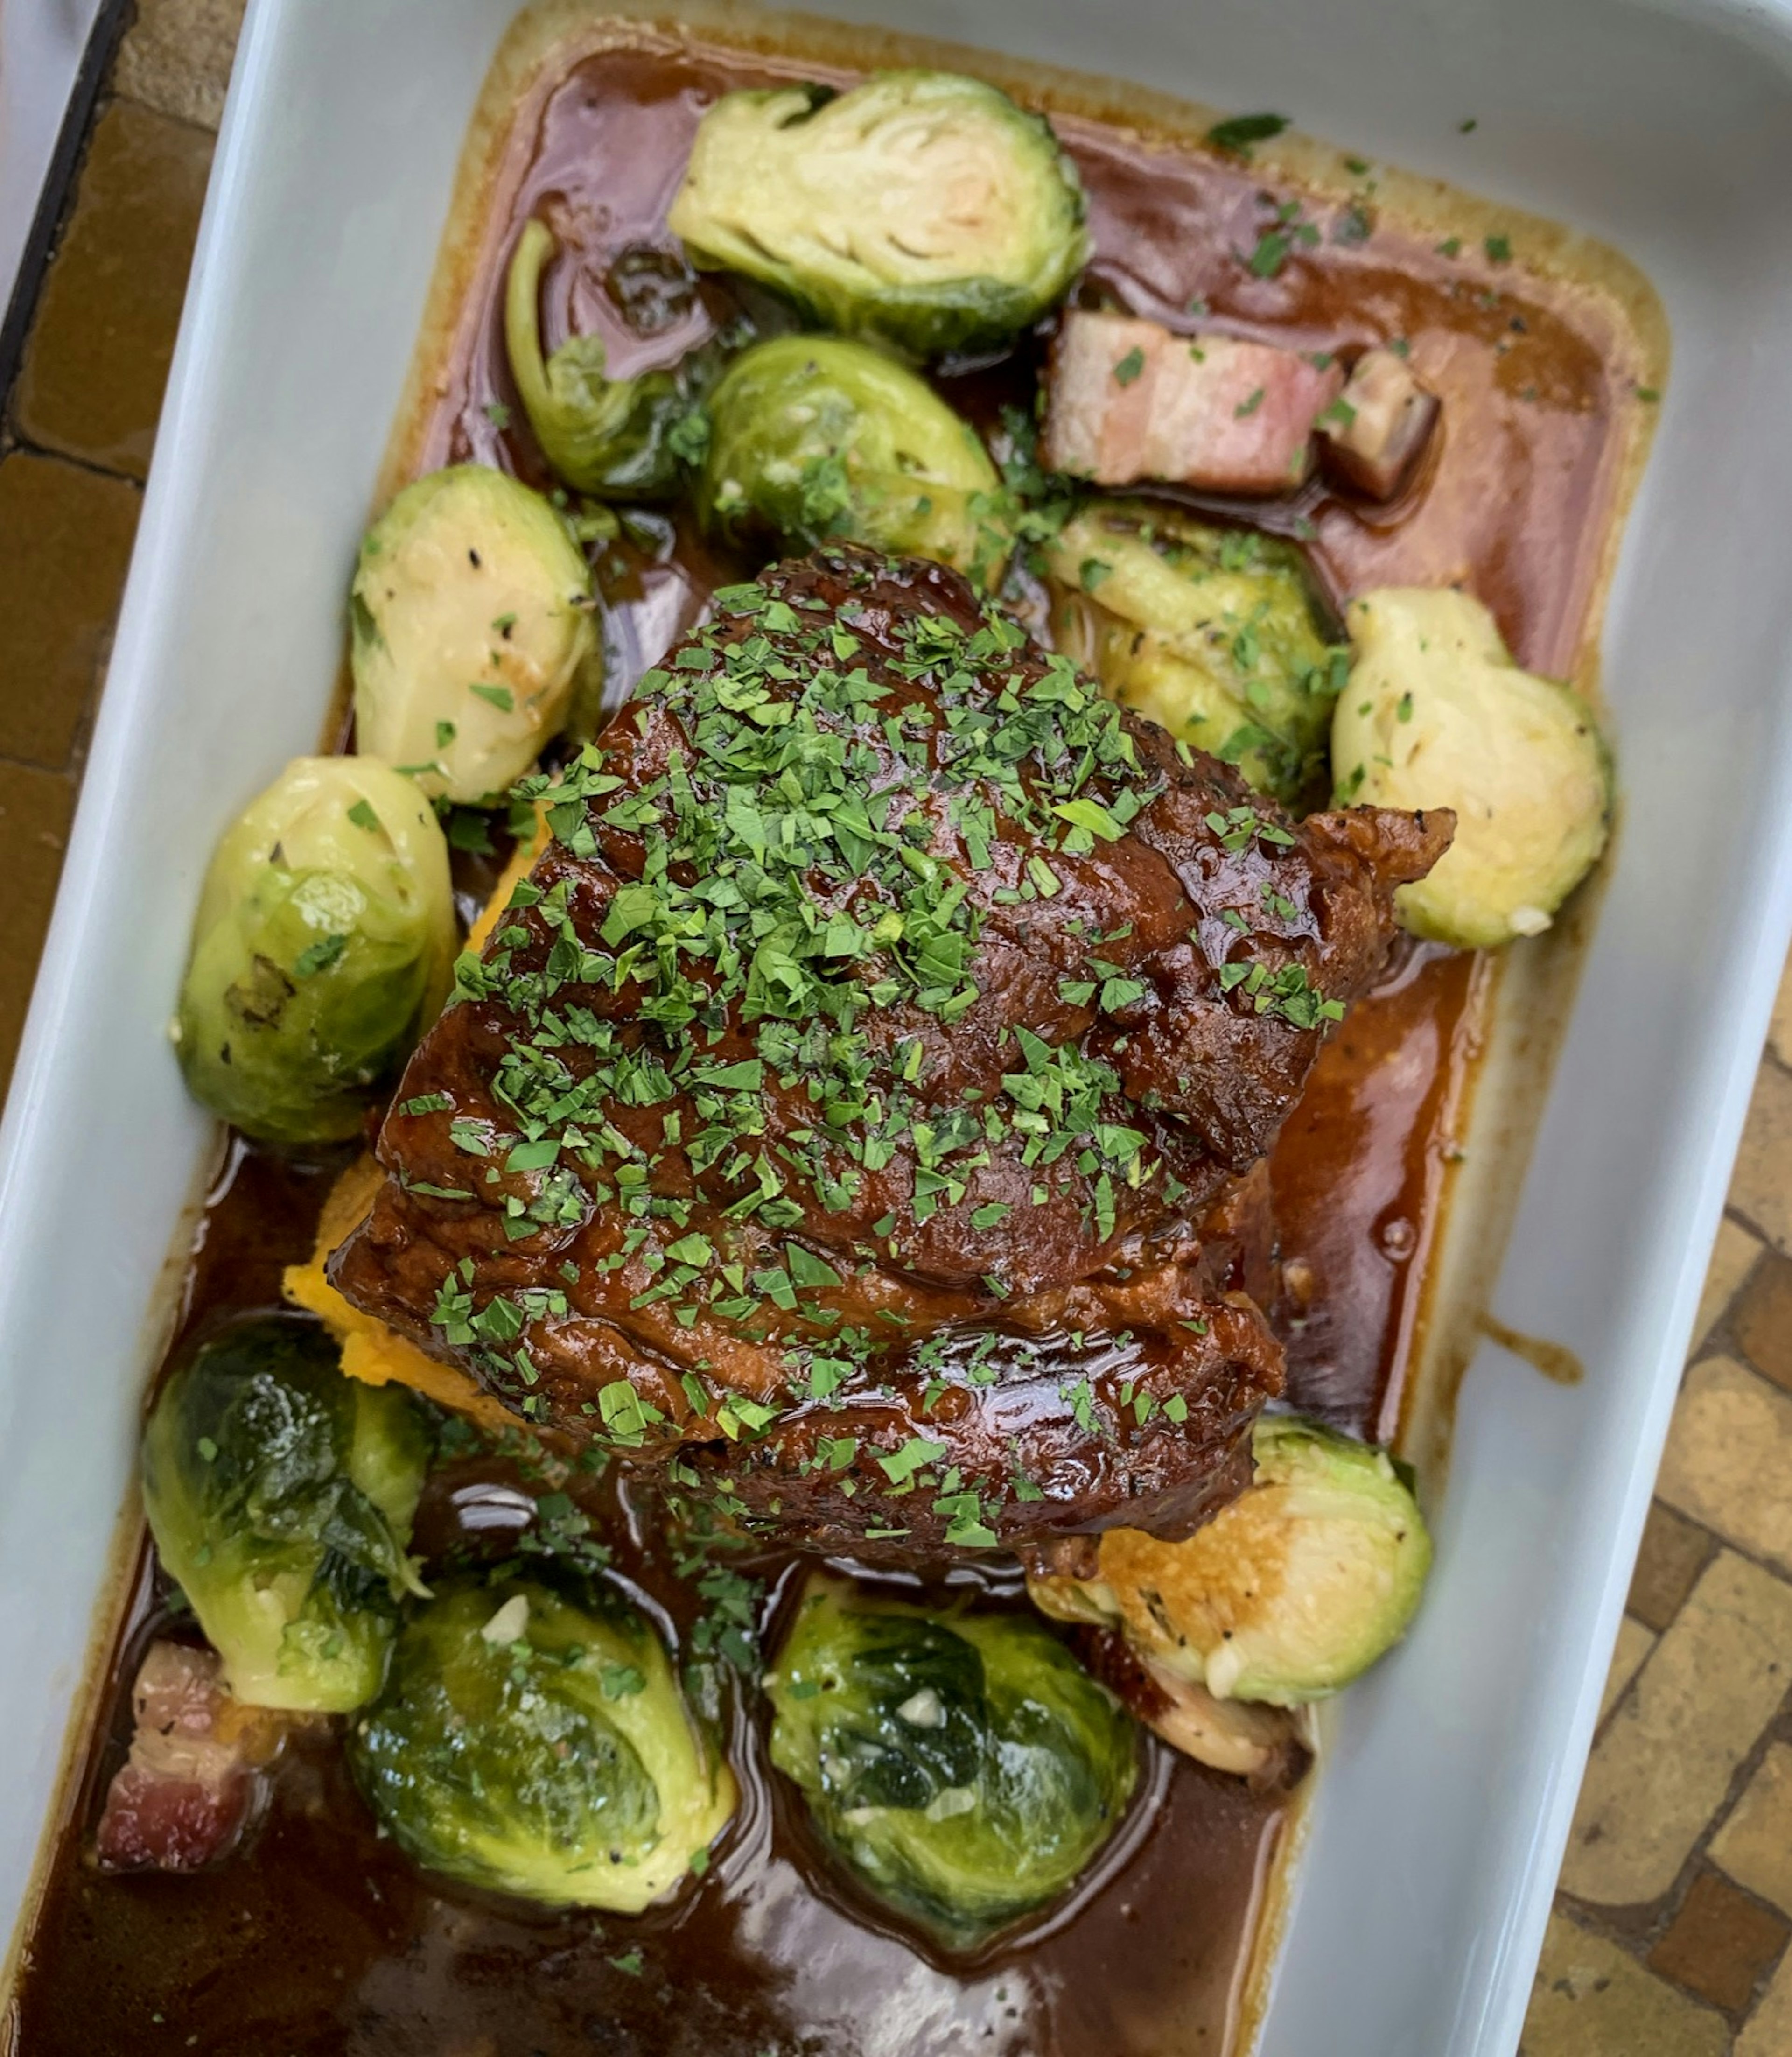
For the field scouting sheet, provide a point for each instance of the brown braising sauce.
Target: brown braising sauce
(317, 1938)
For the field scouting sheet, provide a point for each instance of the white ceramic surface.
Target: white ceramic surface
(1666, 128)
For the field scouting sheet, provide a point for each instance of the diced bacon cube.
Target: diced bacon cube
(1128, 401)
(189, 1784)
(1380, 425)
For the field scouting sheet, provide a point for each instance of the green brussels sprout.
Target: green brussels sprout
(1437, 714)
(1218, 634)
(280, 1494)
(811, 437)
(616, 439)
(1298, 1586)
(922, 208)
(473, 630)
(539, 1748)
(965, 1767)
(323, 947)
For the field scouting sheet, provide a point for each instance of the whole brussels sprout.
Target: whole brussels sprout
(539, 1748)
(1217, 634)
(473, 630)
(965, 1766)
(323, 947)
(1298, 1586)
(1437, 714)
(280, 1494)
(615, 438)
(811, 437)
(922, 208)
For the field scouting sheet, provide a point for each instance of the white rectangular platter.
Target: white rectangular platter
(1665, 129)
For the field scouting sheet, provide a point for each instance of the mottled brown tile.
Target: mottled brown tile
(1761, 1187)
(1629, 1655)
(35, 807)
(1592, 1999)
(1732, 1258)
(65, 544)
(1755, 1845)
(1663, 1765)
(1721, 1944)
(1728, 1463)
(1674, 1552)
(177, 58)
(91, 383)
(1762, 1323)
(1768, 2032)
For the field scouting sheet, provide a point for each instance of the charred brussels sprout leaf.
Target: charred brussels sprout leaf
(812, 437)
(280, 1494)
(922, 208)
(1437, 714)
(616, 439)
(965, 1766)
(536, 1747)
(473, 632)
(1289, 1594)
(1217, 634)
(323, 946)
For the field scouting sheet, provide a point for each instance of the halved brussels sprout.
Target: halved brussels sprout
(280, 1495)
(811, 437)
(542, 1749)
(923, 208)
(323, 947)
(1437, 714)
(1298, 1586)
(471, 617)
(1218, 634)
(616, 439)
(965, 1766)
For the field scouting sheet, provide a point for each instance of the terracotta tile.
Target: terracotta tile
(1779, 1034)
(1728, 1463)
(1674, 1552)
(1592, 1999)
(91, 383)
(1663, 1767)
(1769, 2030)
(1628, 1654)
(177, 57)
(35, 807)
(1754, 1845)
(65, 544)
(1732, 1256)
(1721, 1944)
(1762, 1323)
(1761, 1187)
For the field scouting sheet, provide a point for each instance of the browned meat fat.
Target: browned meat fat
(1128, 401)
(190, 1785)
(833, 1106)
(1375, 435)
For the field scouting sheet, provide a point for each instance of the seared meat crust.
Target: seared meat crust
(882, 983)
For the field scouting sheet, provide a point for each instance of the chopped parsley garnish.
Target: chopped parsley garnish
(319, 956)
(1236, 135)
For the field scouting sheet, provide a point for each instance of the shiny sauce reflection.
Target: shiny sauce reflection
(319, 1941)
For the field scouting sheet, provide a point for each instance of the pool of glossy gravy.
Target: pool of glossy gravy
(317, 1938)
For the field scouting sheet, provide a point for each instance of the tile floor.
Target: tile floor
(1676, 1902)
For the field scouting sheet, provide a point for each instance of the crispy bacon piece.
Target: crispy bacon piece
(1376, 434)
(1129, 401)
(192, 1783)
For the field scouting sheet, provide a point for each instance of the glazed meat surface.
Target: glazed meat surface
(836, 1104)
